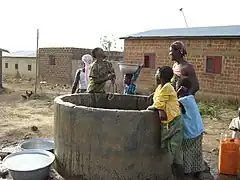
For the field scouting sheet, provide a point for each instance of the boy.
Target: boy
(129, 79)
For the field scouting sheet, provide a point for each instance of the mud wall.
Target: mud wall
(107, 143)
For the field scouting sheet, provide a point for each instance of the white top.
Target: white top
(235, 124)
(82, 83)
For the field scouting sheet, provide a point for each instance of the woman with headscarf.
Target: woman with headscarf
(182, 67)
(82, 75)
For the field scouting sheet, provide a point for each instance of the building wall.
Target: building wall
(58, 72)
(228, 82)
(8, 66)
(67, 60)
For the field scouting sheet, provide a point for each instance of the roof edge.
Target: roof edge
(27, 57)
(181, 37)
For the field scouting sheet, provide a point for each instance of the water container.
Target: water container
(229, 156)
(238, 163)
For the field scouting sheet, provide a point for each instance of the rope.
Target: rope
(114, 89)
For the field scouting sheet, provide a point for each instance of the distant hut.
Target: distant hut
(1, 74)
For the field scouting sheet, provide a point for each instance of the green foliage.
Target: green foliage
(209, 109)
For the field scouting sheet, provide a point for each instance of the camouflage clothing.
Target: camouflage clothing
(99, 69)
(172, 137)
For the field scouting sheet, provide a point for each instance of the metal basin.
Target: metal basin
(29, 164)
(42, 144)
(127, 68)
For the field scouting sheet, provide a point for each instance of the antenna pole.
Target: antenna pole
(184, 17)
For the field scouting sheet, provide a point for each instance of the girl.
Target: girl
(129, 79)
(101, 71)
(166, 103)
(193, 130)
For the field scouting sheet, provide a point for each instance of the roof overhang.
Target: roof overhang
(179, 37)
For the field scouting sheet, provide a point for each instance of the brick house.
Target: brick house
(214, 52)
(58, 65)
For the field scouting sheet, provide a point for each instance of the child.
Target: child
(101, 71)
(235, 126)
(193, 130)
(129, 79)
(165, 101)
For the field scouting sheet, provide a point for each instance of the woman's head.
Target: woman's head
(128, 79)
(177, 51)
(163, 74)
(98, 54)
(87, 59)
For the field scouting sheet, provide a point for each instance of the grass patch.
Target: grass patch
(213, 109)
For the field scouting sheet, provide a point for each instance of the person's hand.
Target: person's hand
(162, 115)
(113, 81)
(111, 76)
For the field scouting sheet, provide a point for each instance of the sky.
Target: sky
(81, 23)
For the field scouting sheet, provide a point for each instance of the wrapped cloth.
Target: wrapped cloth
(235, 124)
(87, 59)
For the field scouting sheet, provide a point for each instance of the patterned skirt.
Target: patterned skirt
(192, 155)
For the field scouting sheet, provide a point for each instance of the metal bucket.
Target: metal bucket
(127, 68)
(42, 144)
(35, 170)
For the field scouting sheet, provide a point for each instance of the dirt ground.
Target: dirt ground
(22, 119)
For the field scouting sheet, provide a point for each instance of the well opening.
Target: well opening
(100, 100)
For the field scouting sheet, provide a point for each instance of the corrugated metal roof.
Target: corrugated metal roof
(21, 54)
(212, 31)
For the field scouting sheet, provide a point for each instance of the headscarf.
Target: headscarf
(179, 46)
(87, 59)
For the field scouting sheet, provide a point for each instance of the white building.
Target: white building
(21, 62)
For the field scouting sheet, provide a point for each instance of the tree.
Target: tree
(109, 44)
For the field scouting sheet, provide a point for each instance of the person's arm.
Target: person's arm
(76, 81)
(161, 96)
(94, 75)
(111, 71)
(194, 80)
(137, 73)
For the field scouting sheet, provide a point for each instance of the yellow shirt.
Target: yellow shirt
(165, 98)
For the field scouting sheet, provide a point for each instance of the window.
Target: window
(16, 66)
(52, 60)
(214, 64)
(29, 67)
(6, 65)
(149, 60)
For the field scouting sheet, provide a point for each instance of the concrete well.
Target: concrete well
(100, 139)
